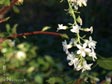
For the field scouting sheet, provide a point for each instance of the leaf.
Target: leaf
(8, 28)
(105, 63)
(64, 36)
(16, 9)
(39, 79)
(1, 2)
(43, 64)
(4, 19)
(49, 59)
(24, 37)
(14, 29)
(79, 20)
(45, 28)
(55, 80)
(6, 2)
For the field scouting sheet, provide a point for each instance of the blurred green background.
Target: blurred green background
(46, 62)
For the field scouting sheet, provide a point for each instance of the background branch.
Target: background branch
(7, 8)
(34, 33)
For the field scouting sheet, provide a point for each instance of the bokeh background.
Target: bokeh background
(49, 64)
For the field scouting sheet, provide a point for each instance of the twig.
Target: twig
(34, 33)
(6, 8)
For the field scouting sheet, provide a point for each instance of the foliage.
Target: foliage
(39, 59)
(5, 2)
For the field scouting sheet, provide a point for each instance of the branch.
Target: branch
(34, 33)
(29, 33)
(6, 8)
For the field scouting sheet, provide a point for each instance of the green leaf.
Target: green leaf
(54, 80)
(1, 2)
(8, 28)
(16, 9)
(49, 59)
(14, 29)
(79, 20)
(64, 36)
(39, 79)
(5, 2)
(105, 63)
(45, 28)
(43, 64)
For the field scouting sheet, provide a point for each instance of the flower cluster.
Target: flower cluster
(84, 47)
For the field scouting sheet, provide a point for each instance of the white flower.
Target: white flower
(74, 6)
(79, 67)
(80, 2)
(20, 1)
(20, 55)
(73, 60)
(93, 55)
(10, 43)
(75, 29)
(91, 43)
(89, 29)
(82, 49)
(86, 66)
(108, 79)
(77, 63)
(67, 46)
(61, 27)
(70, 56)
(4, 50)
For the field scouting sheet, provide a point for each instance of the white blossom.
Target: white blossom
(67, 46)
(79, 67)
(89, 29)
(93, 55)
(20, 1)
(20, 55)
(108, 79)
(83, 49)
(77, 63)
(75, 29)
(74, 6)
(73, 60)
(61, 27)
(91, 43)
(86, 66)
(80, 3)
(4, 50)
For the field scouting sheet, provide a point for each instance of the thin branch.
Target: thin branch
(29, 33)
(35, 33)
(7, 8)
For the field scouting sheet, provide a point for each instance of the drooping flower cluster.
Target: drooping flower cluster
(83, 47)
